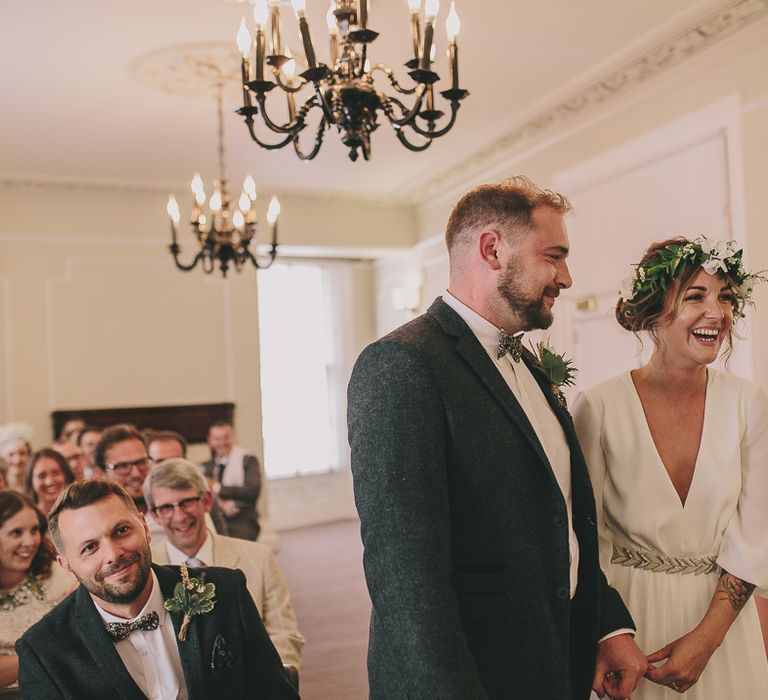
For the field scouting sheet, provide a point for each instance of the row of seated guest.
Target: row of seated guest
(178, 525)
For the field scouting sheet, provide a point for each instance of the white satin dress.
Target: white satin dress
(724, 520)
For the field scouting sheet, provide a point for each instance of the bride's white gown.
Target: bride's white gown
(725, 516)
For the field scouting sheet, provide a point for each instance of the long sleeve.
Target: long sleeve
(278, 614)
(744, 549)
(587, 420)
(248, 493)
(34, 680)
(398, 437)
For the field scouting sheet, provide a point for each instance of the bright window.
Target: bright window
(297, 370)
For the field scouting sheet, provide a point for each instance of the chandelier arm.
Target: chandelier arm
(432, 134)
(318, 142)
(175, 250)
(298, 123)
(263, 265)
(284, 86)
(409, 116)
(267, 146)
(393, 81)
(411, 146)
(330, 116)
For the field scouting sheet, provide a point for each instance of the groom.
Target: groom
(477, 513)
(112, 637)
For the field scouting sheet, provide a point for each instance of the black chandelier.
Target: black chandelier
(344, 91)
(223, 236)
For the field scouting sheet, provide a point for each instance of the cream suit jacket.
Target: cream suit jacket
(265, 584)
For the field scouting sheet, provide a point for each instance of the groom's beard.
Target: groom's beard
(529, 307)
(128, 587)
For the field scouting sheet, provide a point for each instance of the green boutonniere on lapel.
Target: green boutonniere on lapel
(557, 368)
(191, 596)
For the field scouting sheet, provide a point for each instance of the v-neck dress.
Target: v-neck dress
(724, 519)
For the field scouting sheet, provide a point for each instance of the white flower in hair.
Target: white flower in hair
(627, 286)
(713, 265)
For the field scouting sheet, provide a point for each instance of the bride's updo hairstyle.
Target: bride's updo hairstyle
(648, 311)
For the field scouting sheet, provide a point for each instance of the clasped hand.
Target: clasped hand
(620, 666)
(686, 658)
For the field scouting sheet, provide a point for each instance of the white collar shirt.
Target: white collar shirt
(538, 411)
(203, 554)
(152, 657)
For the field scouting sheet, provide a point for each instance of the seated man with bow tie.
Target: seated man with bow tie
(177, 495)
(114, 637)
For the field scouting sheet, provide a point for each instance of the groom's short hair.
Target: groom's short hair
(505, 206)
(81, 494)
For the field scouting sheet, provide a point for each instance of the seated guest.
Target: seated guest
(236, 478)
(168, 444)
(114, 637)
(87, 441)
(122, 456)
(178, 496)
(47, 475)
(31, 582)
(71, 430)
(15, 449)
(71, 452)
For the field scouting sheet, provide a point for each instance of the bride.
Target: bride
(677, 453)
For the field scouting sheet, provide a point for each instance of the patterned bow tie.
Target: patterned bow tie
(511, 344)
(146, 623)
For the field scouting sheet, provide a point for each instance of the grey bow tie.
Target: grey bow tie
(120, 630)
(511, 344)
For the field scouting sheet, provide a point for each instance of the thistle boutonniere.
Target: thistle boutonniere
(192, 596)
(557, 368)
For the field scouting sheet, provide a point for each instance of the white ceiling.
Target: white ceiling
(72, 108)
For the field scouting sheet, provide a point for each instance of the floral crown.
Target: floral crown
(713, 256)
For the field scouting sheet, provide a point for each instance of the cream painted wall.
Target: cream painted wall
(93, 314)
(733, 68)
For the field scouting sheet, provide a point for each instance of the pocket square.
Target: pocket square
(221, 656)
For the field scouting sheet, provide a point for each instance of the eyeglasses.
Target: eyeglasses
(185, 505)
(125, 467)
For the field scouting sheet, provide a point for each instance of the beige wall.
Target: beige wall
(93, 314)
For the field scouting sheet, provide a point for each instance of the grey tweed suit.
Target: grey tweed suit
(465, 527)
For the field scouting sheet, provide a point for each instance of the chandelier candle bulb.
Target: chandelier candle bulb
(244, 44)
(274, 12)
(431, 8)
(273, 211)
(244, 202)
(452, 27)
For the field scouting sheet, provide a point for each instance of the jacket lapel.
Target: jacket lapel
(190, 650)
(469, 347)
(223, 554)
(102, 648)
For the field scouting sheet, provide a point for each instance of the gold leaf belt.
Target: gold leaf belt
(657, 562)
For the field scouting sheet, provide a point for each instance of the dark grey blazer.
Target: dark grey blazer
(68, 654)
(465, 527)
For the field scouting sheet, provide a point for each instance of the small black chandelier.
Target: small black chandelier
(344, 91)
(223, 236)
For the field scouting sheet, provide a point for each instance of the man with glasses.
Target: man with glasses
(122, 455)
(177, 495)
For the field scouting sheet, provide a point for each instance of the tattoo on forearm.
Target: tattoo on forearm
(735, 590)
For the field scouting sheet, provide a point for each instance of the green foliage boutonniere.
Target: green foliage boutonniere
(557, 368)
(192, 597)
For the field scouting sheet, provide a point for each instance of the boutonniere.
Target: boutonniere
(191, 596)
(557, 368)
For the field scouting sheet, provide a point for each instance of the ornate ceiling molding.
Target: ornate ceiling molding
(730, 18)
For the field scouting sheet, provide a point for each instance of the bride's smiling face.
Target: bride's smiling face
(703, 320)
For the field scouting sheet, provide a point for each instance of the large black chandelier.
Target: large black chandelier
(343, 92)
(224, 233)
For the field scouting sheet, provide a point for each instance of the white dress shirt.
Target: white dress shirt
(152, 657)
(533, 402)
(204, 554)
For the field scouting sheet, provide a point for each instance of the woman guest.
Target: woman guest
(677, 454)
(15, 449)
(46, 476)
(31, 582)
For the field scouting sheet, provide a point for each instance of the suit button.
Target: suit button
(559, 520)
(563, 592)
